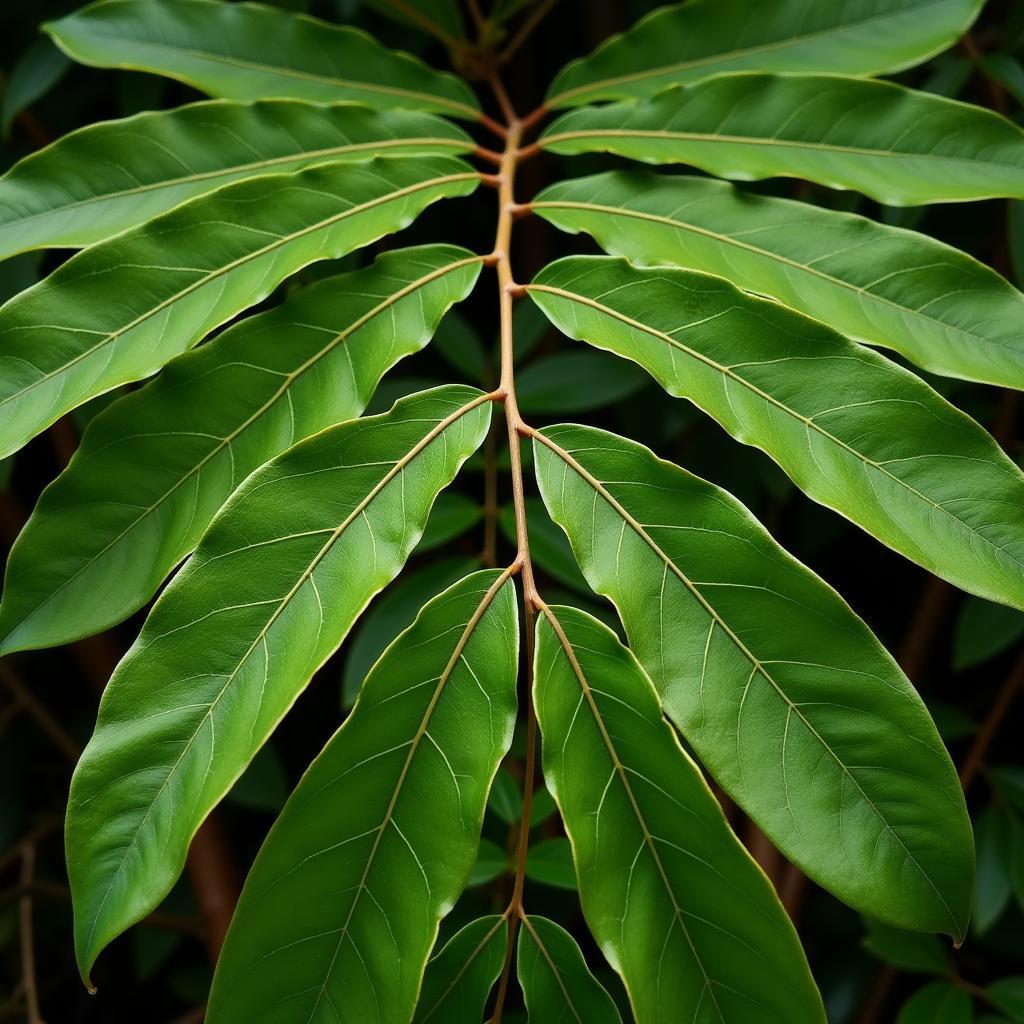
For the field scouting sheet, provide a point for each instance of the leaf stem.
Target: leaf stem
(508, 291)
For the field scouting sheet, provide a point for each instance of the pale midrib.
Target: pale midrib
(399, 467)
(620, 771)
(234, 265)
(340, 338)
(555, 973)
(421, 730)
(729, 55)
(809, 424)
(757, 665)
(285, 72)
(480, 947)
(766, 253)
(752, 140)
(224, 172)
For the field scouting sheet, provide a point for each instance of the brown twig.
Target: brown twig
(427, 23)
(28, 959)
(986, 733)
(46, 722)
(539, 13)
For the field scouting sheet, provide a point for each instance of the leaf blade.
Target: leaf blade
(937, 306)
(215, 634)
(114, 175)
(459, 979)
(818, 405)
(772, 679)
(249, 51)
(119, 310)
(555, 977)
(655, 866)
(408, 736)
(132, 504)
(895, 145)
(689, 41)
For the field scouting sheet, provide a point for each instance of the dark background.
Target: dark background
(963, 654)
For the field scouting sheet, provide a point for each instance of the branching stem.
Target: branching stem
(517, 428)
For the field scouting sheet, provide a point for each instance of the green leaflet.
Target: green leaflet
(459, 979)
(248, 51)
(118, 311)
(938, 489)
(341, 908)
(556, 982)
(132, 504)
(396, 608)
(673, 899)
(895, 145)
(937, 306)
(694, 40)
(785, 695)
(279, 578)
(107, 177)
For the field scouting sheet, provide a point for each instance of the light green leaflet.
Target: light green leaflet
(131, 505)
(248, 51)
(937, 306)
(672, 897)
(689, 41)
(556, 982)
(785, 695)
(893, 144)
(107, 177)
(118, 311)
(938, 489)
(459, 979)
(340, 910)
(272, 590)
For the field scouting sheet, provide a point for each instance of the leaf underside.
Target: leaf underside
(270, 593)
(341, 908)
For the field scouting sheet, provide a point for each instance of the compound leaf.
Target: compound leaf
(674, 900)
(937, 306)
(459, 979)
(115, 175)
(342, 905)
(895, 145)
(690, 41)
(939, 489)
(247, 51)
(154, 467)
(557, 984)
(278, 580)
(118, 311)
(785, 695)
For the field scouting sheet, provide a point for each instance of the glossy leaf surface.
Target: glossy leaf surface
(273, 588)
(121, 309)
(688, 41)
(460, 977)
(785, 695)
(248, 51)
(895, 145)
(672, 898)
(881, 285)
(154, 467)
(114, 175)
(341, 908)
(939, 490)
(556, 982)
